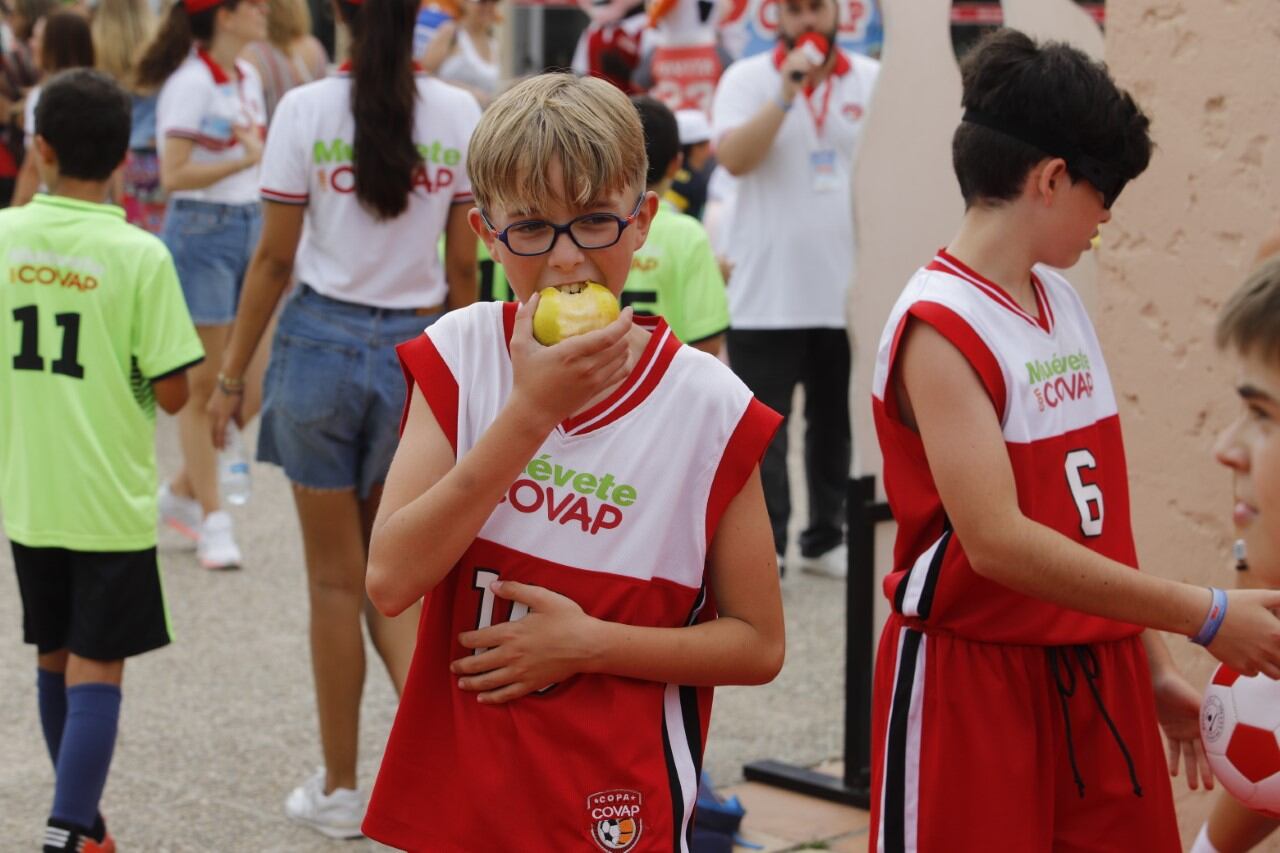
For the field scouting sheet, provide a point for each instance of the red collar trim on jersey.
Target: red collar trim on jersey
(219, 74)
(947, 263)
(644, 377)
(842, 67)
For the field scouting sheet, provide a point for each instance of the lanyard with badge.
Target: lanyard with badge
(823, 175)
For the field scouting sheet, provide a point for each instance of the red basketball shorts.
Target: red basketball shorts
(984, 747)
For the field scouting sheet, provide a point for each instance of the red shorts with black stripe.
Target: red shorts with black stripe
(983, 746)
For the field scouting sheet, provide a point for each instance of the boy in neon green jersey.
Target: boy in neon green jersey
(675, 274)
(94, 334)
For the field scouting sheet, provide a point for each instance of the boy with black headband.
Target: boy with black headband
(1015, 656)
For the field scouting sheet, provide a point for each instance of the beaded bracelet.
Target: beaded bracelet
(1213, 620)
(230, 386)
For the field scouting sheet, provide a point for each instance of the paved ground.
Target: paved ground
(217, 728)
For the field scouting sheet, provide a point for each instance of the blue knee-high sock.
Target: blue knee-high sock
(88, 739)
(51, 696)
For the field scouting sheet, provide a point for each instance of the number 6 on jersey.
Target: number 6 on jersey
(1088, 496)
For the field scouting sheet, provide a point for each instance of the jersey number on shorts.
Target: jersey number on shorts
(28, 357)
(519, 610)
(1088, 496)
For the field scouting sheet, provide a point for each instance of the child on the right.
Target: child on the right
(1019, 680)
(1249, 329)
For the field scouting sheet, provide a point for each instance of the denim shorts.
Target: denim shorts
(334, 391)
(211, 245)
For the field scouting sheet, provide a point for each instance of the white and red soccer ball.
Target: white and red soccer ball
(1240, 727)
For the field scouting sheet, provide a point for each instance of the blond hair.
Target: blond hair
(121, 28)
(584, 123)
(287, 21)
(1250, 321)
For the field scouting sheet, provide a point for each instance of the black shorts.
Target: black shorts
(100, 605)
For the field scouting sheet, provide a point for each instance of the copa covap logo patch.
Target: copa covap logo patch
(616, 824)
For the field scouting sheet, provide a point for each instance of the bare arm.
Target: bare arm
(179, 172)
(970, 465)
(460, 257)
(1178, 711)
(556, 640)
(710, 345)
(440, 46)
(171, 392)
(744, 148)
(269, 275)
(429, 498)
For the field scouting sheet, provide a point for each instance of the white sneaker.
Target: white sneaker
(216, 548)
(832, 564)
(182, 514)
(337, 814)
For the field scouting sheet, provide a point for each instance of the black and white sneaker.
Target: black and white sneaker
(64, 837)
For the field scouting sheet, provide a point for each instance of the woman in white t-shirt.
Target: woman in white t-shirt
(210, 120)
(362, 173)
(465, 52)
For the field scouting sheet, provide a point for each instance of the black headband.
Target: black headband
(1106, 178)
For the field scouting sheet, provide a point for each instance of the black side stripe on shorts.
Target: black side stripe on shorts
(935, 569)
(893, 819)
(693, 732)
(692, 723)
(914, 595)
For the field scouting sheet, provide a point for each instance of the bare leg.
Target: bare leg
(393, 637)
(200, 459)
(333, 545)
(1234, 828)
(53, 661)
(85, 671)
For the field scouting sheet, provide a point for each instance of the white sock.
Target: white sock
(1203, 844)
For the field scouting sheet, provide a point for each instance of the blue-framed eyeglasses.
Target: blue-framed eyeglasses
(530, 237)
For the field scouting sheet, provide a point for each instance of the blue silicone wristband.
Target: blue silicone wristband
(1213, 620)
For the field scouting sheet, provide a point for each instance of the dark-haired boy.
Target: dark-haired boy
(1015, 702)
(95, 335)
(675, 273)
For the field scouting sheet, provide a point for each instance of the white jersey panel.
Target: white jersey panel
(1055, 380)
(620, 496)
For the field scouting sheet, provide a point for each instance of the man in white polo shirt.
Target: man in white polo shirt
(787, 124)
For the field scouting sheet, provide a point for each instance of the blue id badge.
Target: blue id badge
(824, 177)
(216, 127)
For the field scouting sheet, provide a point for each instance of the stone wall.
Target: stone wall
(1183, 237)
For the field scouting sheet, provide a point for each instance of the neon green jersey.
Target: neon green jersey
(90, 313)
(675, 274)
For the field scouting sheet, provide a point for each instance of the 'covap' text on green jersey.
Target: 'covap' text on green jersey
(90, 314)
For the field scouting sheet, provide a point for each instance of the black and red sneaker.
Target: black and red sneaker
(64, 837)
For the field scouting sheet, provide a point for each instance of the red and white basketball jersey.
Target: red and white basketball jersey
(616, 512)
(1049, 385)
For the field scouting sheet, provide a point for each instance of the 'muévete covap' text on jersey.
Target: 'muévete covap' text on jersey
(616, 512)
(1049, 385)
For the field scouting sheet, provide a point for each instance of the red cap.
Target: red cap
(194, 7)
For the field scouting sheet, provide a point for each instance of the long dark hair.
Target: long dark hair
(67, 42)
(172, 42)
(384, 95)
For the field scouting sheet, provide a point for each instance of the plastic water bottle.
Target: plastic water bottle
(233, 469)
